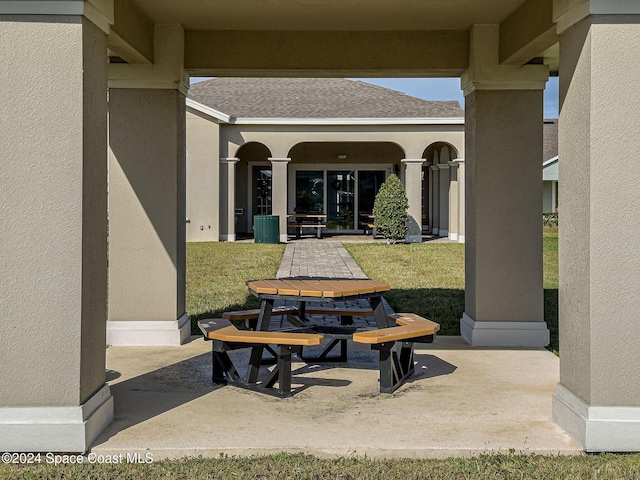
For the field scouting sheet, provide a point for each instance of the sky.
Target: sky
(448, 89)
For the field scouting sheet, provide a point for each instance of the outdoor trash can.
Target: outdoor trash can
(266, 228)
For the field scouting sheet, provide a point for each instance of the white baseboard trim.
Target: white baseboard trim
(146, 333)
(56, 429)
(453, 236)
(460, 238)
(443, 233)
(284, 238)
(227, 237)
(414, 238)
(597, 429)
(504, 334)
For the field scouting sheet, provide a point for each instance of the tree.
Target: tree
(390, 210)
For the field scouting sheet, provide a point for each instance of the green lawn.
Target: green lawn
(428, 279)
(301, 467)
(217, 272)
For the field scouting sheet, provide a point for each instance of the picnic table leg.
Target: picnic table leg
(264, 318)
(378, 312)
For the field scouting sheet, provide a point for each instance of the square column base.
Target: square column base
(56, 429)
(597, 429)
(147, 333)
(504, 334)
(443, 233)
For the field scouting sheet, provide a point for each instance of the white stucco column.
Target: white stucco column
(147, 214)
(279, 193)
(228, 199)
(503, 248)
(461, 199)
(598, 398)
(434, 194)
(413, 187)
(443, 203)
(453, 201)
(53, 233)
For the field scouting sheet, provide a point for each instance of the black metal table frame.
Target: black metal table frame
(339, 334)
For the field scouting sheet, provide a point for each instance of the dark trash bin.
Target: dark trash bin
(266, 228)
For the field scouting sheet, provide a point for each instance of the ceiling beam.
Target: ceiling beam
(131, 36)
(527, 32)
(326, 53)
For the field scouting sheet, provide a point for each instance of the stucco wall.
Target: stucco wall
(53, 235)
(599, 273)
(203, 151)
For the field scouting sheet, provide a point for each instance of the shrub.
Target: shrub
(390, 210)
(550, 219)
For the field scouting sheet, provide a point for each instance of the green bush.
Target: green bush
(390, 210)
(550, 219)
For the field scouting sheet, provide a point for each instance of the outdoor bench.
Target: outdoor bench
(226, 336)
(251, 316)
(396, 364)
(346, 318)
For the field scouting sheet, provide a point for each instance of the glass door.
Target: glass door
(369, 182)
(261, 191)
(340, 199)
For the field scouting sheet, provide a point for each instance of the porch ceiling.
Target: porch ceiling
(310, 38)
(328, 15)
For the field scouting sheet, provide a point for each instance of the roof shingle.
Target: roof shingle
(314, 98)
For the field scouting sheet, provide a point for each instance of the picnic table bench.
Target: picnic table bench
(227, 337)
(396, 364)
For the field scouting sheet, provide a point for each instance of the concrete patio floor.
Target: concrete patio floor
(462, 401)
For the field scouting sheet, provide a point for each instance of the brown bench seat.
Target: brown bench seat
(226, 336)
(396, 359)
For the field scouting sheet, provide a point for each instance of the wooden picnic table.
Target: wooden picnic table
(393, 338)
(303, 291)
(307, 220)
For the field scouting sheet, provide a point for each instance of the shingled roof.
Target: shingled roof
(314, 98)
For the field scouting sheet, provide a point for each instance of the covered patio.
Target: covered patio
(94, 194)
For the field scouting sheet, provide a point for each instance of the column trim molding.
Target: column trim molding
(56, 428)
(151, 332)
(504, 334)
(99, 12)
(279, 160)
(596, 429)
(229, 160)
(485, 71)
(414, 161)
(443, 166)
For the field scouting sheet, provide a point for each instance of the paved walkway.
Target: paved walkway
(318, 258)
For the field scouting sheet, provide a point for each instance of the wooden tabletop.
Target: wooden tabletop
(307, 215)
(326, 288)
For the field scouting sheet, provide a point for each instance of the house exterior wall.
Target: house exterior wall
(381, 146)
(203, 177)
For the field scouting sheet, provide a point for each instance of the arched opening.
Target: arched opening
(253, 185)
(435, 187)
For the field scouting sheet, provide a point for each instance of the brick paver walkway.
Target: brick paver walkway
(318, 258)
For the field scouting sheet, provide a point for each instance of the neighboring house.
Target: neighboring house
(278, 146)
(550, 166)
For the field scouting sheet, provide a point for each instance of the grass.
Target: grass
(428, 279)
(217, 272)
(300, 466)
